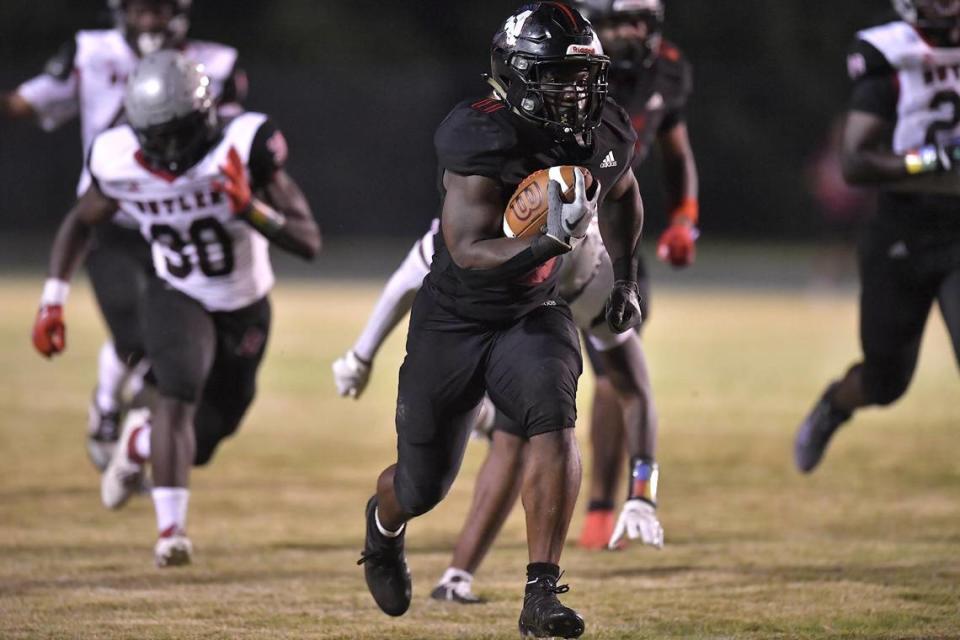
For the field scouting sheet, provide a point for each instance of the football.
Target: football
(526, 212)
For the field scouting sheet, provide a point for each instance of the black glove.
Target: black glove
(623, 306)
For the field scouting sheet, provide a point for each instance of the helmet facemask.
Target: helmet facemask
(179, 144)
(632, 40)
(152, 25)
(939, 20)
(565, 95)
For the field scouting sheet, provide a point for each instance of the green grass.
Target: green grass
(868, 547)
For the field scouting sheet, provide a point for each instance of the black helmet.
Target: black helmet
(627, 53)
(939, 19)
(170, 35)
(547, 64)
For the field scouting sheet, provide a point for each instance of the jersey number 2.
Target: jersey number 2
(212, 244)
(941, 98)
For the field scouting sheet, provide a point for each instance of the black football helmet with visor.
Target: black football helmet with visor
(547, 65)
(151, 25)
(937, 20)
(631, 30)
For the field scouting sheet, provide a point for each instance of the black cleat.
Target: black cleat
(816, 430)
(543, 616)
(103, 431)
(385, 567)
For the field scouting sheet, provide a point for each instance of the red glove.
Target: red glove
(235, 185)
(49, 332)
(677, 245)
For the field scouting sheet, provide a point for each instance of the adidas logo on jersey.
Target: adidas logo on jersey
(608, 161)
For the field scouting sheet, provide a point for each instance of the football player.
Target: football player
(209, 195)
(901, 136)
(87, 78)
(651, 80)
(585, 277)
(488, 318)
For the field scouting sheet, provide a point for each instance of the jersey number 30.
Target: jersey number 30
(210, 241)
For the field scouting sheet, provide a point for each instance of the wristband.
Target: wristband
(689, 208)
(922, 160)
(264, 218)
(644, 477)
(55, 292)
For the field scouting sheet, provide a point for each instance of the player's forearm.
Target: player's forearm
(291, 228)
(505, 259)
(621, 224)
(69, 247)
(14, 107)
(394, 303)
(871, 166)
(679, 168)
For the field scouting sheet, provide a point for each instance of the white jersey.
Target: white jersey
(90, 76)
(928, 77)
(199, 246)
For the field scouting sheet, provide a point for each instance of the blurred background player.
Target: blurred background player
(188, 179)
(86, 78)
(488, 318)
(901, 136)
(651, 80)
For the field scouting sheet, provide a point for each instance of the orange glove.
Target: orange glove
(235, 185)
(49, 331)
(677, 245)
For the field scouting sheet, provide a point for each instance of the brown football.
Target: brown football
(526, 212)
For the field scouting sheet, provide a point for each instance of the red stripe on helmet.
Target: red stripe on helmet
(567, 11)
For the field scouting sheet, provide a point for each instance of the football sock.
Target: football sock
(383, 530)
(139, 445)
(110, 374)
(459, 575)
(600, 505)
(536, 570)
(170, 503)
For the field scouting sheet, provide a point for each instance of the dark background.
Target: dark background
(359, 88)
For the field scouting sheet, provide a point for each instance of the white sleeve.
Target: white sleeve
(396, 299)
(54, 101)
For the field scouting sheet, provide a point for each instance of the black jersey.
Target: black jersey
(655, 97)
(485, 138)
(901, 78)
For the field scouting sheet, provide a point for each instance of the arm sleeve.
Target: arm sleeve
(53, 93)
(268, 154)
(875, 88)
(396, 299)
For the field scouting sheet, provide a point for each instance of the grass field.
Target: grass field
(868, 547)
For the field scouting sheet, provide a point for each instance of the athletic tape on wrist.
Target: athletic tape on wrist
(265, 218)
(55, 292)
(922, 160)
(644, 477)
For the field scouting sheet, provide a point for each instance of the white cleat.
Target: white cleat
(123, 477)
(172, 550)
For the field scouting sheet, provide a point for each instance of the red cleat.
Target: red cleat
(597, 529)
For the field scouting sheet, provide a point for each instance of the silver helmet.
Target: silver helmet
(170, 106)
(163, 34)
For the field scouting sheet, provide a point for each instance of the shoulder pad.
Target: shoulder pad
(618, 121)
(61, 65)
(474, 138)
(885, 48)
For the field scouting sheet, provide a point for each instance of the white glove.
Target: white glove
(351, 375)
(638, 519)
(569, 222)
